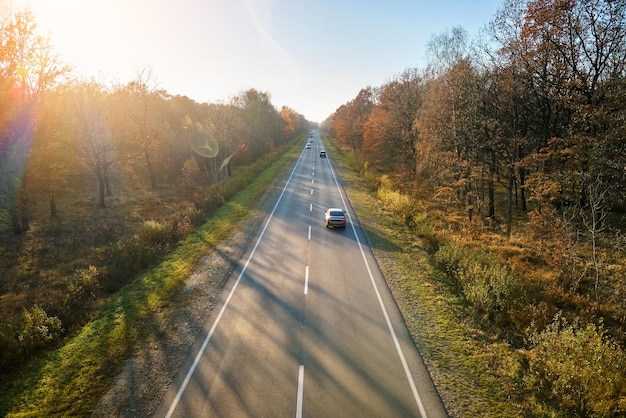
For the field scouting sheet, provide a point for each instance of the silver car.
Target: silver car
(335, 218)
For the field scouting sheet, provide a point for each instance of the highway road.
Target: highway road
(306, 326)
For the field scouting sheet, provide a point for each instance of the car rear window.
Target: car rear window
(336, 213)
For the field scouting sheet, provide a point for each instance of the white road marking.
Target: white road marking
(310, 207)
(309, 232)
(300, 391)
(306, 280)
(196, 360)
(311, 192)
(394, 337)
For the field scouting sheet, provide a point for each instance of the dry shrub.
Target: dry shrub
(577, 370)
(129, 256)
(550, 238)
(38, 330)
(534, 316)
(491, 288)
(188, 218)
(371, 179)
(397, 203)
(444, 194)
(474, 228)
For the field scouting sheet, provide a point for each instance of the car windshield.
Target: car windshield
(336, 213)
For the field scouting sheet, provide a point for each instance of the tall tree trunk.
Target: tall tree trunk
(16, 221)
(101, 189)
(522, 182)
(150, 170)
(24, 208)
(107, 182)
(19, 214)
(509, 208)
(53, 206)
(491, 187)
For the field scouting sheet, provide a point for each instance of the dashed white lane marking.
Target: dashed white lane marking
(207, 339)
(306, 280)
(300, 391)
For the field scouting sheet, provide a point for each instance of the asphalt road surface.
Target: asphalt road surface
(306, 326)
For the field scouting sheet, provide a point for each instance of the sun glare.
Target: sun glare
(80, 31)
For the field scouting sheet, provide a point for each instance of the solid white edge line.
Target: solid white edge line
(196, 360)
(300, 391)
(306, 280)
(396, 342)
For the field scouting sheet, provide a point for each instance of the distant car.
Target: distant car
(335, 217)
(323, 154)
(308, 146)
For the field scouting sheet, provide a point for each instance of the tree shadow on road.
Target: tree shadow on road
(379, 242)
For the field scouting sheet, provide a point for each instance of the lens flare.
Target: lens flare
(205, 146)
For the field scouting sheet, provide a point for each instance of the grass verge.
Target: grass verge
(71, 379)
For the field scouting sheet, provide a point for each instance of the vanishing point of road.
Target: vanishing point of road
(306, 326)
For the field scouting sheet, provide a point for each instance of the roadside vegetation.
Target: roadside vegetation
(498, 338)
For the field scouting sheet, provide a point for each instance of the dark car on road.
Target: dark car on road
(323, 154)
(335, 217)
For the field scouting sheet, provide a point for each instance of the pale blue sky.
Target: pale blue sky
(310, 55)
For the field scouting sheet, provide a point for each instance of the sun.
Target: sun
(83, 32)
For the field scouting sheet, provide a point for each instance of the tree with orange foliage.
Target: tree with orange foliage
(389, 135)
(349, 120)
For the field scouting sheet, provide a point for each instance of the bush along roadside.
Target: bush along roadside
(491, 289)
